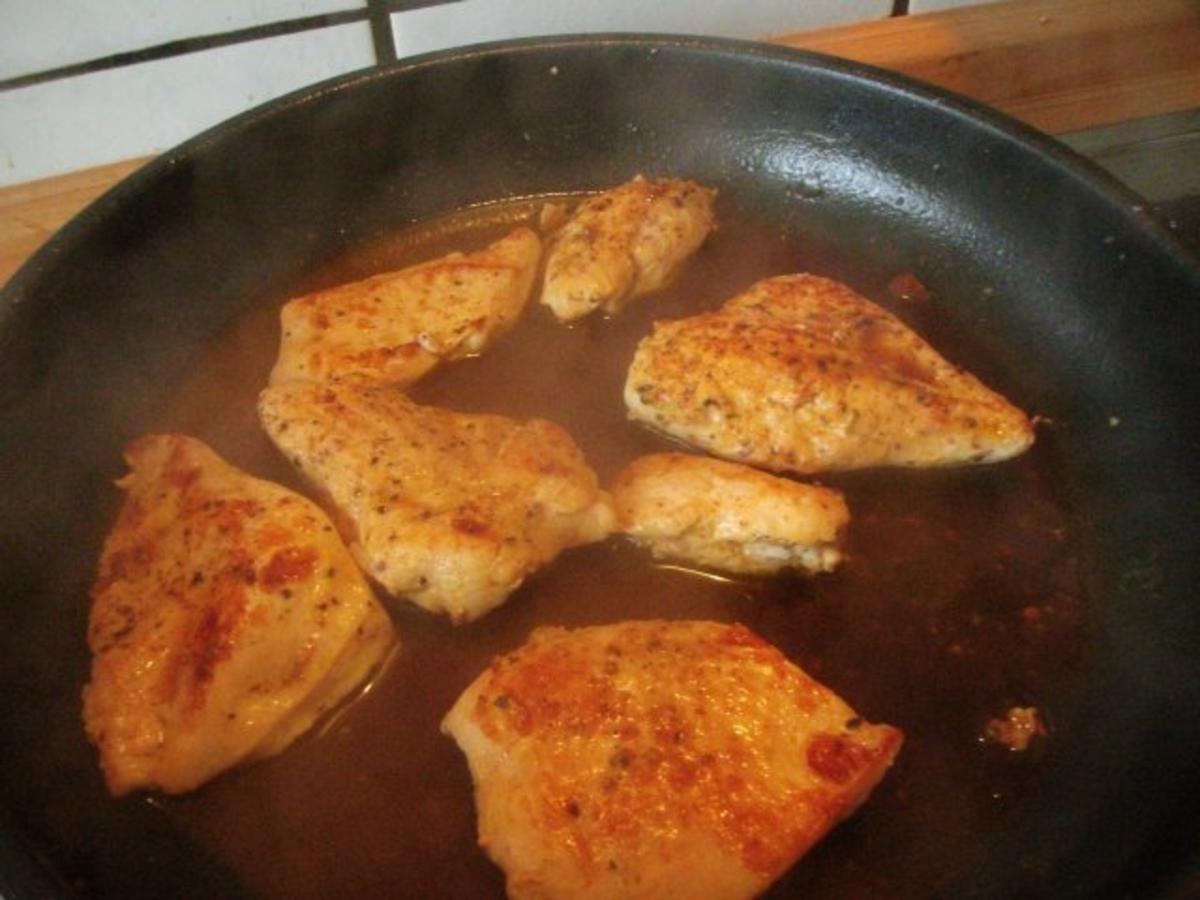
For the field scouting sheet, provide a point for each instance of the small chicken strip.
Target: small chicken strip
(801, 374)
(393, 328)
(227, 617)
(658, 759)
(727, 516)
(624, 243)
(450, 510)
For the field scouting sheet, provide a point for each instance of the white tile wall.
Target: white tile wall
(72, 123)
(471, 21)
(110, 114)
(45, 34)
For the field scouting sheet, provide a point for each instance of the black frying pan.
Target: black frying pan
(1068, 296)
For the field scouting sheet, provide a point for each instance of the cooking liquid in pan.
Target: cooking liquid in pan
(959, 600)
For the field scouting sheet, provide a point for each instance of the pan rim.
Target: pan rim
(1081, 170)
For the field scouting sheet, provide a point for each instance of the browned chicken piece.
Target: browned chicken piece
(449, 510)
(801, 374)
(658, 759)
(394, 327)
(624, 243)
(227, 617)
(727, 516)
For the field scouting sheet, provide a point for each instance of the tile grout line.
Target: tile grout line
(377, 13)
(185, 46)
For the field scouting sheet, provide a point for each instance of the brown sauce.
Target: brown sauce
(959, 601)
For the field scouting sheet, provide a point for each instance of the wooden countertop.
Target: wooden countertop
(1060, 65)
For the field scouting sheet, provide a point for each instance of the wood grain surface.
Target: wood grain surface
(31, 212)
(1060, 65)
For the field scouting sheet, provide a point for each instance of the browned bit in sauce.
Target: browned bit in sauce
(958, 601)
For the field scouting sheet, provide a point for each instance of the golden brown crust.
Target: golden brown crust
(450, 510)
(610, 759)
(394, 327)
(727, 516)
(628, 241)
(224, 609)
(801, 374)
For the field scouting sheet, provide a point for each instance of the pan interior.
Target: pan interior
(1041, 582)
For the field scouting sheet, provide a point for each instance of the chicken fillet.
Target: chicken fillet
(727, 516)
(447, 509)
(658, 759)
(226, 618)
(394, 327)
(801, 374)
(626, 242)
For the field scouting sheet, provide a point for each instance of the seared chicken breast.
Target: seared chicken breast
(801, 374)
(728, 516)
(226, 618)
(393, 328)
(658, 759)
(624, 243)
(449, 510)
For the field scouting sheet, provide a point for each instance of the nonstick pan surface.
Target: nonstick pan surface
(1047, 278)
